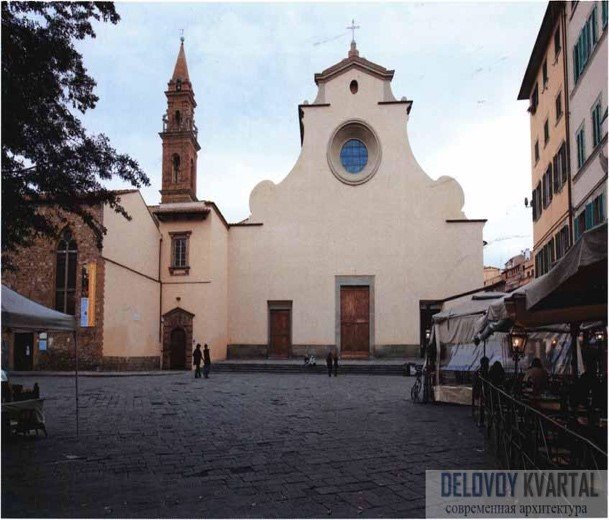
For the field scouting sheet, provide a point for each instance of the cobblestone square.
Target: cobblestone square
(235, 445)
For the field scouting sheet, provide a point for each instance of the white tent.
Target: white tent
(19, 313)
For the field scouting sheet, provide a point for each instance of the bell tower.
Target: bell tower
(179, 136)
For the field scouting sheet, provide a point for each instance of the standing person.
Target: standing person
(196, 360)
(329, 363)
(206, 361)
(335, 356)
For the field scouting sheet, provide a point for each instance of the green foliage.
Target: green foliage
(47, 156)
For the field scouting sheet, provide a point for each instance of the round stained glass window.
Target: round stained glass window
(354, 156)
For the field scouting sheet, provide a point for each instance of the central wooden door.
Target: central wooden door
(280, 337)
(355, 321)
(177, 359)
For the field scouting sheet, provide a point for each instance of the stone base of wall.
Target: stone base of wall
(249, 351)
(319, 351)
(119, 363)
(396, 351)
(246, 352)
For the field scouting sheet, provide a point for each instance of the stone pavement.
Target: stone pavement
(235, 445)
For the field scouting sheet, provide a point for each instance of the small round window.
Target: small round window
(354, 156)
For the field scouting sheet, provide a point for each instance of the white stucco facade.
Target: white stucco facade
(317, 245)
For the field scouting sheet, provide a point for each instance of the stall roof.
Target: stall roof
(477, 303)
(18, 312)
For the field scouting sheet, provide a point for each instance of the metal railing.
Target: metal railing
(524, 438)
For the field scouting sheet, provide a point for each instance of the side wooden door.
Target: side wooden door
(178, 349)
(24, 351)
(280, 337)
(355, 321)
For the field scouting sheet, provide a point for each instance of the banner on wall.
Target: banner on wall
(87, 300)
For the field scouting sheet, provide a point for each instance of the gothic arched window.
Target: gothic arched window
(178, 119)
(175, 162)
(192, 172)
(65, 273)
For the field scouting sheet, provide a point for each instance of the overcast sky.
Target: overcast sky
(252, 64)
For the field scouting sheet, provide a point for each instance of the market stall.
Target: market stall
(20, 314)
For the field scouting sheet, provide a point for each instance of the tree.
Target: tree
(47, 156)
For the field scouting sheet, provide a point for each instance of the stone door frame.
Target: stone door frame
(177, 318)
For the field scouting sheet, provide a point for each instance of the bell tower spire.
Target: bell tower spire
(179, 136)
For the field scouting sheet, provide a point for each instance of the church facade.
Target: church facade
(341, 254)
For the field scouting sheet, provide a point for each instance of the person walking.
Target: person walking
(206, 361)
(329, 363)
(335, 358)
(197, 355)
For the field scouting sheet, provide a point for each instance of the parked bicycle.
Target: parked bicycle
(421, 391)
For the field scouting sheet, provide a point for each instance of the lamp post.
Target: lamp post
(517, 338)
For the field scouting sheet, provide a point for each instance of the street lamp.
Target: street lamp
(517, 338)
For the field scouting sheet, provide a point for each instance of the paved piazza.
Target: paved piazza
(236, 445)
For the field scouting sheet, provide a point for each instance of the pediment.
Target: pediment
(178, 310)
(357, 62)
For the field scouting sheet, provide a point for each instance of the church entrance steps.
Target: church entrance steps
(393, 367)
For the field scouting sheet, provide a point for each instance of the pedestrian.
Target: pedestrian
(329, 363)
(196, 360)
(335, 356)
(206, 361)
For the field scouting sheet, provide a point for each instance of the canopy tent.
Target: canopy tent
(574, 290)
(454, 334)
(20, 313)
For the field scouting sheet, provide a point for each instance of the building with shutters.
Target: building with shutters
(544, 86)
(587, 80)
(342, 254)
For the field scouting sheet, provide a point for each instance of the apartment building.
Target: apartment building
(587, 87)
(544, 86)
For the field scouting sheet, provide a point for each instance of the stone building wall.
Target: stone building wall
(34, 278)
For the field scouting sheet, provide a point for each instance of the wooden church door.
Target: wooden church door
(280, 332)
(355, 321)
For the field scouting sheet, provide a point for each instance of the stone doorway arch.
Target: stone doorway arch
(177, 339)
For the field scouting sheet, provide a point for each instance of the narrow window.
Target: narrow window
(536, 151)
(557, 46)
(539, 201)
(175, 163)
(558, 106)
(546, 132)
(604, 9)
(534, 206)
(544, 71)
(596, 123)
(581, 147)
(65, 274)
(178, 119)
(179, 251)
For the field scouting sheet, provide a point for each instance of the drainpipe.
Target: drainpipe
(563, 24)
(160, 303)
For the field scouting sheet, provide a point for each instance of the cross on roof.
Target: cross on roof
(182, 35)
(352, 29)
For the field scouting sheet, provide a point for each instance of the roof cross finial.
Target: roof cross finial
(182, 35)
(352, 29)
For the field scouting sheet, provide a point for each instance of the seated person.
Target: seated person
(537, 376)
(496, 374)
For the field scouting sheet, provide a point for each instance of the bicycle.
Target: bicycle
(415, 390)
